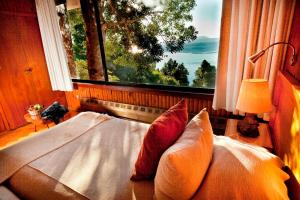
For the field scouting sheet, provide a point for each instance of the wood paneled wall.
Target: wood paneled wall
(24, 78)
(141, 96)
(295, 40)
(285, 123)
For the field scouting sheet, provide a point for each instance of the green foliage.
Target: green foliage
(82, 69)
(124, 73)
(120, 62)
(78, 34)
(172, 24)
(178, 71)
(132, 74)
(112, 77)
(133, 23)
(125, 67)
(205, 75)
(160, 78)
(117, 55)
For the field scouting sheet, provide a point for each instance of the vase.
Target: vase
(33, 112)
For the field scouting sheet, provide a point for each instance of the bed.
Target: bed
(92, 156)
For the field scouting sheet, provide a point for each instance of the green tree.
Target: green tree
(178, 71)
(82, 69)
(159, 78)
(77, 28)
(93, 54)
(135, 23)
(205, 75)
(122, 64)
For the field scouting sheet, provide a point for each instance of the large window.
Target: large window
(171, 42)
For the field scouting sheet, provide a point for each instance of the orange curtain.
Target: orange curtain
(248, 26)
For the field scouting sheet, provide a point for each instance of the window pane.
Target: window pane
(170, 42)
(83, 50)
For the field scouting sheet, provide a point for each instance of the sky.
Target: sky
(207, 17)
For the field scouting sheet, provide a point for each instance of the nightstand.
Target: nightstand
(263, 140)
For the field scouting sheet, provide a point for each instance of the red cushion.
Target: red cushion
(162, 133)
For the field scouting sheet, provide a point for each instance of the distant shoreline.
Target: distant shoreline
(191, 61)
(194, 52)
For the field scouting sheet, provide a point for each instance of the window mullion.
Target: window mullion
(100, 36)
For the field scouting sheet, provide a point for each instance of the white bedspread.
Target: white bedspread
(24, 152)
(99, 164)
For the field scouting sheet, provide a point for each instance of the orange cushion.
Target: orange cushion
(183, 166)
(162, 133)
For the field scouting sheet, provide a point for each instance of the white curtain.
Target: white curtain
(248, 26)
(53, 45)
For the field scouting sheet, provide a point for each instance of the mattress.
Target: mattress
(96, 165)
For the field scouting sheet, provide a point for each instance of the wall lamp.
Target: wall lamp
(252, 59)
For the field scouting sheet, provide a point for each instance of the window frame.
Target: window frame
(106, 81)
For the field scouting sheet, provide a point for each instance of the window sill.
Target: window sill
(179, 91)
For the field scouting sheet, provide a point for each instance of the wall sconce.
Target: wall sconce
(252, 59)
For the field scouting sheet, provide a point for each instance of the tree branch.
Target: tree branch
(126, 22)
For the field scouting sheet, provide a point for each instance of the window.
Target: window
(169, 42)
(80, 37)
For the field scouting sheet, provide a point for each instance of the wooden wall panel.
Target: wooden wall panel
(2, 126)
(3, 122)
(295, 40)
(18, 7)
(141, 97)
(24, 78)
(285, 123)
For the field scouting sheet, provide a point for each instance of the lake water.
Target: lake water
(190, 60)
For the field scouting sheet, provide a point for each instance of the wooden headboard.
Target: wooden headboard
(139, 113)
(285, 125)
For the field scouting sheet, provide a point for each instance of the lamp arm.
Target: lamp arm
(289, 44)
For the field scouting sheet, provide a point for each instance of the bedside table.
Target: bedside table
(263, 140)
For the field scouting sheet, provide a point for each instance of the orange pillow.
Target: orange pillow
(162, 133)
(183, 166)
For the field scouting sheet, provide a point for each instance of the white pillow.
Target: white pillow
(183, 166)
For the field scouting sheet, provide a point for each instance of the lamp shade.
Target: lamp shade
(254, 96)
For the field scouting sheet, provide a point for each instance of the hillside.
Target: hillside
(202, 45)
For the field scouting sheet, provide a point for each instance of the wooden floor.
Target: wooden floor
(8, 138)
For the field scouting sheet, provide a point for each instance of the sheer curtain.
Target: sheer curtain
(53, 45)
(248, 26)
